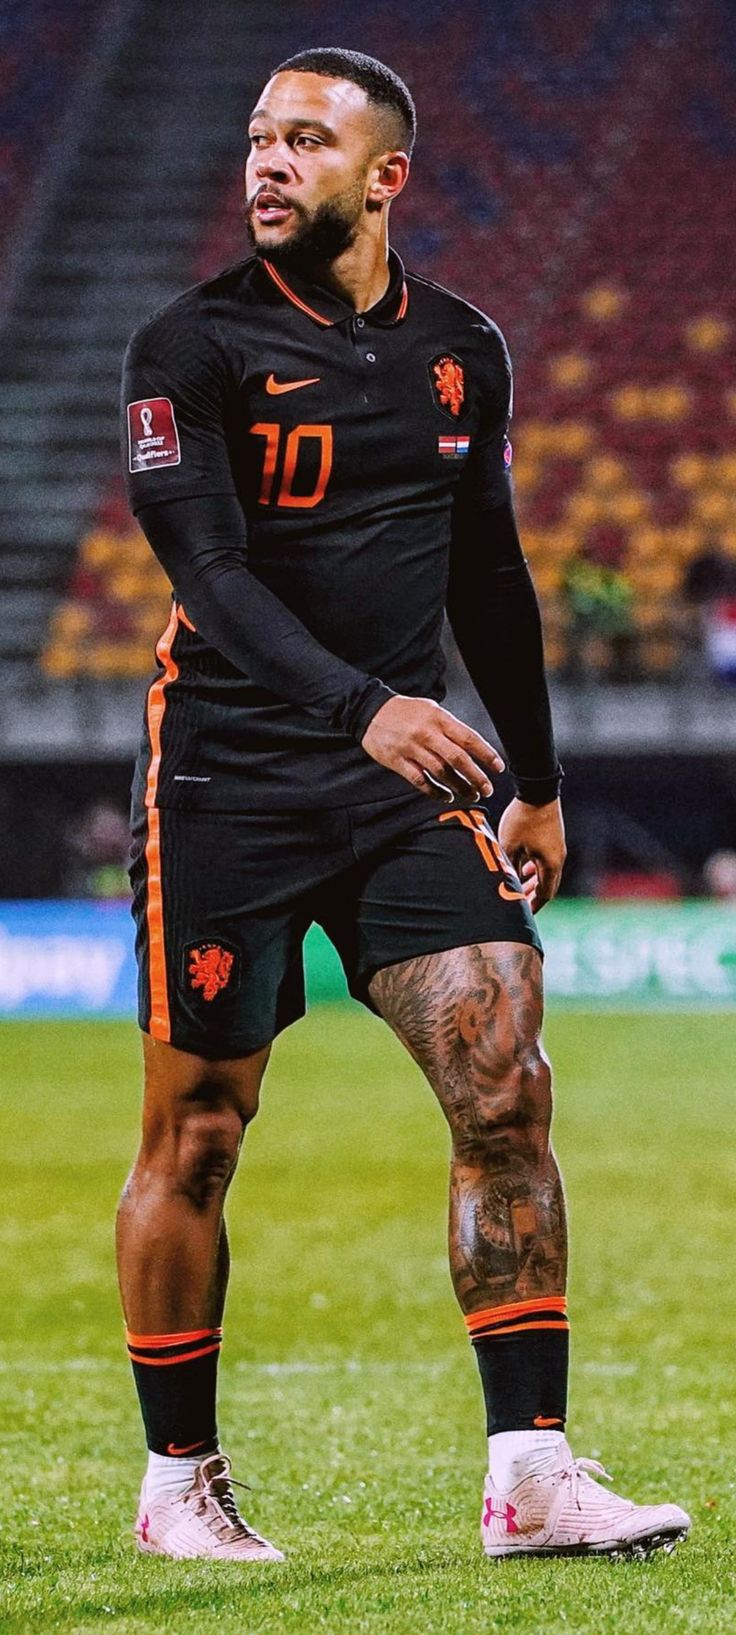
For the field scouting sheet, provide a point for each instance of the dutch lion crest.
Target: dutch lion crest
(448, 383)
(209, 968)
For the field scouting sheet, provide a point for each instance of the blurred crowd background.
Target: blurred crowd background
(574, 176)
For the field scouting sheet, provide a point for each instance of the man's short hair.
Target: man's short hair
(383, 88)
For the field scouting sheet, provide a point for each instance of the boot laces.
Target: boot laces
(572, 1478)
(580, 1471)
(217, 1491)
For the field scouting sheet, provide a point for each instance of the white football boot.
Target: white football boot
(203, 1521)
(565, 1512)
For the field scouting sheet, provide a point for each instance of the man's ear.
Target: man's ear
(388, 177)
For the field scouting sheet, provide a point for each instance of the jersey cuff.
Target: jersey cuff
(539, 791)
(368, 705)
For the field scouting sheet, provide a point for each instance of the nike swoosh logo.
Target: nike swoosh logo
(274, 387)
(188, 1449)
(543, 1423)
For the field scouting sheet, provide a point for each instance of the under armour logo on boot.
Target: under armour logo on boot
(507, 1514)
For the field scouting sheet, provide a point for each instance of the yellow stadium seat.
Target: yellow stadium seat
(645, 545)
(72, 620)
(526, 474)
(137, 660)
(100, 549)
(669, 402)
(650, 613)
(654, 578)
(569, 369)
(708, 333)
(584, 509)
(648, 545)
(126, 585)
(688, 470)
(684, 542)
(603, 302)
(151, 615)
(571, 437)
(578, 438)
(627, 507)
(713, 507)
(547, 544)
(605, 472)
(60, 662)
(547, 577)
(102, 659)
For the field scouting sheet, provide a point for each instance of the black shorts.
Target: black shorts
(222, 902)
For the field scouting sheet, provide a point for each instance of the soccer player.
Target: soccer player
(315, 447)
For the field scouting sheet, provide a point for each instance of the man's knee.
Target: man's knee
(507, 1103)
(194, 1116)
(206, 1148)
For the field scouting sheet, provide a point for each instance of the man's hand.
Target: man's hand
(415, 736)
(534, 839)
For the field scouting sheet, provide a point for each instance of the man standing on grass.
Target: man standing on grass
(315, 446)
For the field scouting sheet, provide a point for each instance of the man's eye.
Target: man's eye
(309, 141)
(256, 138)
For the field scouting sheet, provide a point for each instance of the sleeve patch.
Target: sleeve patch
(153, 436)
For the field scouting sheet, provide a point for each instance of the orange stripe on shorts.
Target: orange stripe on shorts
(159, 1025)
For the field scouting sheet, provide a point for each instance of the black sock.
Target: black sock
(523, 1353)
(176, 1380)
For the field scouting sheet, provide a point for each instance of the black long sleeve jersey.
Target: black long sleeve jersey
(319, 485)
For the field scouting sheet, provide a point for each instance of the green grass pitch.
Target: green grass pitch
(350, 1399)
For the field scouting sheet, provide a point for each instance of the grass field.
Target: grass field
(349, 1397)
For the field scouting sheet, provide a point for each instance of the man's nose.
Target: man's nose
(272, 166)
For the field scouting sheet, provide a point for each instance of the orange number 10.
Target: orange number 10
(272, 434)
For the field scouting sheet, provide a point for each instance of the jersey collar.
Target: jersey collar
(325, 308)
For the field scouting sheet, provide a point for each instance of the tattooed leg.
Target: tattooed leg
(471, 1018)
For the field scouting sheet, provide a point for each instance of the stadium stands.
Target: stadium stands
(573, 177)
(39, 56)
(642, 374)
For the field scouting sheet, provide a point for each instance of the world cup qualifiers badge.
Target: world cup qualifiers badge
(153, 436)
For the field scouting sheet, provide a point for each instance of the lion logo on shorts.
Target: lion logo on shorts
(210, 969)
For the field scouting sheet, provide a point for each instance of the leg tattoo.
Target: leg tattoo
(471, 1018)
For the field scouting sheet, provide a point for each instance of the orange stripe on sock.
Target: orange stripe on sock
(167, 1362)
(497, 1314)
(172, 1339)
(520, 1328)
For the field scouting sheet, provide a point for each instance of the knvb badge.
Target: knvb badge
(153, 437)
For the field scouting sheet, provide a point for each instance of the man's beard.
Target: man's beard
(318, 238)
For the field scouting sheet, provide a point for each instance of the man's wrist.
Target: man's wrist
(539, 791)
(370, 701)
